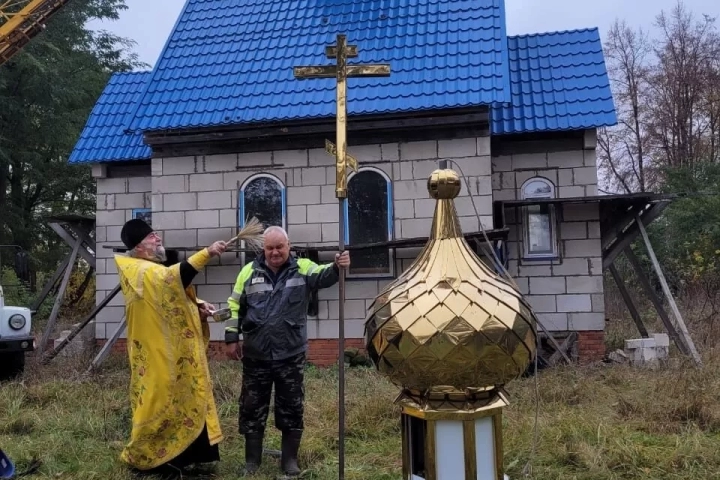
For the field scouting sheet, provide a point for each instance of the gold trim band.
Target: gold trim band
(406, 459)
(490, 409)
(469, 449)
(430, 451)
(499, 455)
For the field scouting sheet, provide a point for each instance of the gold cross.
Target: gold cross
(341, 71)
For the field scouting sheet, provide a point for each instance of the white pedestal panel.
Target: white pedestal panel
(449, 450)
(442, 449)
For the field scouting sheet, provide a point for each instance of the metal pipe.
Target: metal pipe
(341, 194)
(341, 350)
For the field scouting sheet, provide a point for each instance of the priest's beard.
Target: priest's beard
(151, 253)
(159, 255)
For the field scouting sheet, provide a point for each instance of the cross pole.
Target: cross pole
(341, 71)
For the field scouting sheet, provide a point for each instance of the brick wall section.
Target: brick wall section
(195, 202)
(321, 352)
(591, 346)
(324, 352)
(566, 293)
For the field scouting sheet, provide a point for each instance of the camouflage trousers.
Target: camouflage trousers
(257, 382)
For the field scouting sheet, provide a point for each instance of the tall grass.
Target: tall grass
(595, 422)
(598, 422)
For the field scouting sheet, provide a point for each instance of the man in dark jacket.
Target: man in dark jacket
(269, 306)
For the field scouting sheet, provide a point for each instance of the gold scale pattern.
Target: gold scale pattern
(449, 327)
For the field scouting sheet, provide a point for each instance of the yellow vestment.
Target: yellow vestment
(170, 387)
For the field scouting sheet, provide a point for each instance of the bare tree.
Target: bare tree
(684, 99)
(711, 108)
(623, 152)
(667, 96)
(613, 172)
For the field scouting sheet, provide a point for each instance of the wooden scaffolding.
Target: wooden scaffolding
(624, 218)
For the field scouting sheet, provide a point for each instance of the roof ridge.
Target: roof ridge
(550, 33)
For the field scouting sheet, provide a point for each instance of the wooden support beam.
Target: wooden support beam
(105, 350)
(81, 231)
(50, 326)
(624, 239)
(656, 301)
(679, 322)
(564, 348)
(619, 225)
(322, 126)
(554, 342)
(47, 358)
(62, 233)
(49, 285)
(415, 242)
(628, 301)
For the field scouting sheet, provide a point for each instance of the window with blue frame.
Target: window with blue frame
(262, 196)
(369, 219)
(144, 214)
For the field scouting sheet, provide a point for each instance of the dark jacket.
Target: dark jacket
(271, 311)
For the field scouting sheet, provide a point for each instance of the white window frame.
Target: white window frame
(241, 203)
(527, 254)
(390, 224)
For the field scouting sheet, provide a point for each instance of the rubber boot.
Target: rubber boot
(289, 457)
(253, 452)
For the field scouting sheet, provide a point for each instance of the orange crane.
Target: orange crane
(21, 20)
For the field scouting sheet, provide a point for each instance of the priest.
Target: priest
(174, 420)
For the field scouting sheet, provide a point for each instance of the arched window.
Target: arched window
(369, 219)
(262, 196)
(539, 232)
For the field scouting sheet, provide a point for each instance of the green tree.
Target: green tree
(47, 92)
(688, 235)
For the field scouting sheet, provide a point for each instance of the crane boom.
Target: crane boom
(21, 21)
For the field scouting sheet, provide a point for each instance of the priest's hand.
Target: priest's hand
(206, 310)
(217, 248)
(234, 351)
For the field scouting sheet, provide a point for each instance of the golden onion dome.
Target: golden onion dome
(449, 324)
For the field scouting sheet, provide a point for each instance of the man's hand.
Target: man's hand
(217, 248)
(234, 351)
(342, 260)
(206, 310)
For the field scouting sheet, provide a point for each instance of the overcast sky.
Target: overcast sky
(149, 22)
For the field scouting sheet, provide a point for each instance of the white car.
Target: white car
(15, 339)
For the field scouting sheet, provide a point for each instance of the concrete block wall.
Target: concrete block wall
(195, 202)
(116, 200)
(567, 291)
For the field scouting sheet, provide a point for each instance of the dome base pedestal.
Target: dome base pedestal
(440, 442)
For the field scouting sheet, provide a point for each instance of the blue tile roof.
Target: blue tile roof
(104, 139)
(229, 62)
(559, 82)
